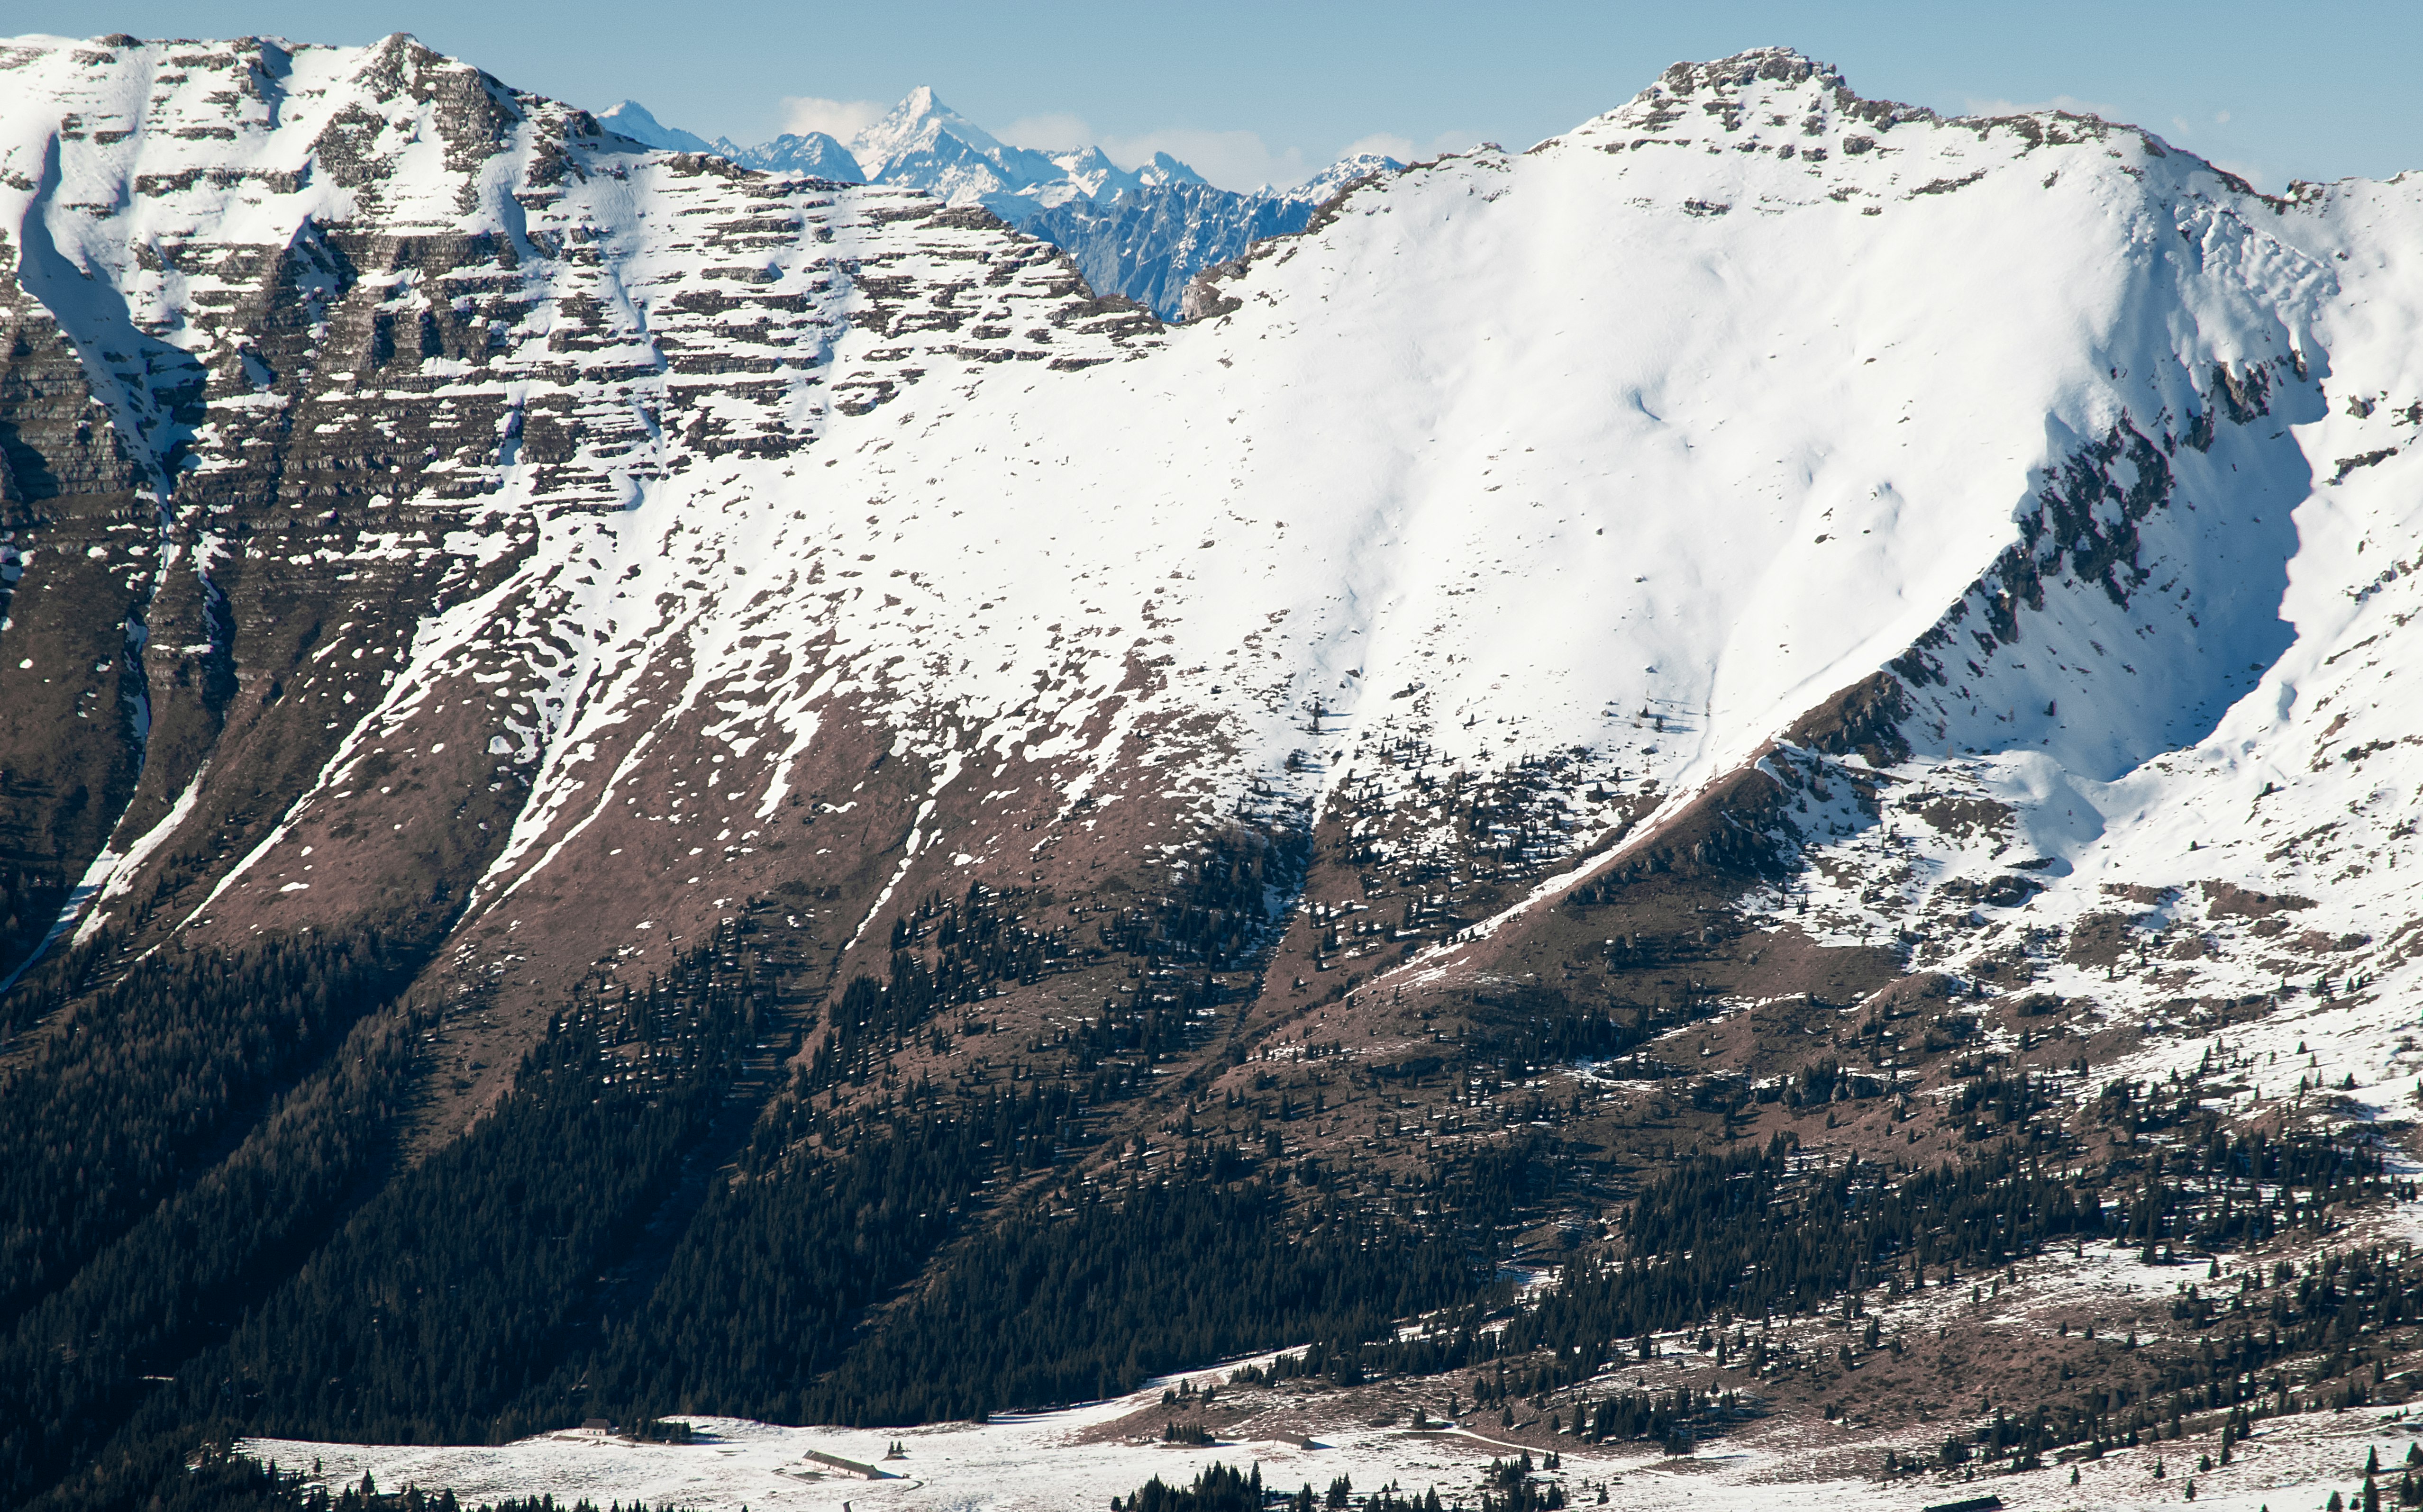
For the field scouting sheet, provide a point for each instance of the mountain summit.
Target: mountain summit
(926, 144)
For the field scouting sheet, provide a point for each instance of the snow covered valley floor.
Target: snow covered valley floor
(1835, 1457)
(1049, 1461)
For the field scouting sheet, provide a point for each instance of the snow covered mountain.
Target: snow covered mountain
(813, 153)
(1143, 233)
(1771, 605)
(631, 118)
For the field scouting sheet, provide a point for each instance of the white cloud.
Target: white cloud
(1232, 160)
(1056, 131)
(843, 118)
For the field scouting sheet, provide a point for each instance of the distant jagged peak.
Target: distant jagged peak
(1142, 231)
(1090, 172)
(632, 117)
(1161, 168)
(923, 105)
(914, 125)
(813, 153)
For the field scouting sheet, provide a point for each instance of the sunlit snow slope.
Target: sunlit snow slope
(750, 530)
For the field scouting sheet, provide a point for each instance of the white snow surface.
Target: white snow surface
(1528, 441)
(1712, 407)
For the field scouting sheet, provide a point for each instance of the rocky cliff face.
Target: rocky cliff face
(296, 384)
(1763, 557)
(1151, 244)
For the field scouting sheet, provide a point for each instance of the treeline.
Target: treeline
(1677, 1419)
(29, 903)
(496, 1288)
(84, 1356)
(627, 1235)
(1217, 1488)
(177, 1139)
(768, 1287)
(1225, 1489)
(1541, 1027)
(1218, 910)
(2337, 1308)
(1136, 1027)
(1130, 1282)
(978, 941)
(870, 1022)
(1765, 1231)
(1518, 1033)
(1510, 820)
(1039, 1299)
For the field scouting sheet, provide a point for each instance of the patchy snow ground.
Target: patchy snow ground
(1063, 1462)
(1013, 1464)
(1038, 1463)
(1016, 1461)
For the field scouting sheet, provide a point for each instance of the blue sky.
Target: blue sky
(1251, 90)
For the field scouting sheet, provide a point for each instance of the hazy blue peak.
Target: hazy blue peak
(1162, 168)
(813, 153)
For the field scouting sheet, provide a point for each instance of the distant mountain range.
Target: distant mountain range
(1143, 233)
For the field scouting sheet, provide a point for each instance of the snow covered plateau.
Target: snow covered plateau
(1769, 571)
